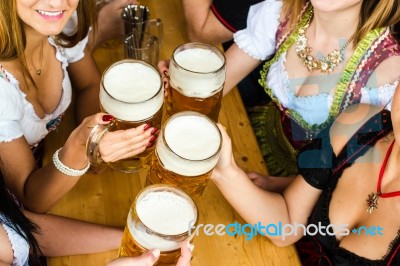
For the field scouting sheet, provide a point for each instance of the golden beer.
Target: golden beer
(208, 106)
(186, 152)
(131, 91)
(197, 76)
(161, 217)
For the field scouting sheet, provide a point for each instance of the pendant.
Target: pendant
(372, 202)
(38, 72)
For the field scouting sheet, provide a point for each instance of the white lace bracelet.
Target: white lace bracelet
(65, 169)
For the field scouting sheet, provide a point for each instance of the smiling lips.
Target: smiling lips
(51, 15)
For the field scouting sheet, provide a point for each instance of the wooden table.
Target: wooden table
(106, 198)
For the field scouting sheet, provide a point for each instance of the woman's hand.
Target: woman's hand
(150, 257)
(270, 183)
(163, 67)
(226, 161)
(110, 22)
(121, 144)
(115, 145)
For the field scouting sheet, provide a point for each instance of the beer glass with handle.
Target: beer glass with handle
(131, 91)
(187, 150)
(162, 216)
(197, 76)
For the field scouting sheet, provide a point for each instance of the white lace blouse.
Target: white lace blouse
(258, 41)
(19, 246)
(17, 115)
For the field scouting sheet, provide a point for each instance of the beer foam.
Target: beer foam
(193, 138)
(198, 76)
(163, 212)
(132, 87)
(199, 60)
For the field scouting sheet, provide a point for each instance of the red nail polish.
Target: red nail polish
(165, 84)
(154, 131)
(147, 126)
(165, 72)
(107, 118)
(153, 138)
(149, 145)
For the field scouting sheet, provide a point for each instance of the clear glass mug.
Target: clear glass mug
(131, 91)
(197, 76)
(144, 47)
(187, 150)
(161, 216)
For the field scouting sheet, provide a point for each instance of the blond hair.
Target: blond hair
(13, 38)
(373, 14)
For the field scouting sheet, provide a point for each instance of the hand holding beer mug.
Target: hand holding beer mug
(186, 152)
(161, 217)
(130, 91)
(197, 76)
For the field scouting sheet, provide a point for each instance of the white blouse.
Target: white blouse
(17, 115)
(258, 41)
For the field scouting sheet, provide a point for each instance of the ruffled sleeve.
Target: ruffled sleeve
(75, 53)
(258, 39)
(11, 112)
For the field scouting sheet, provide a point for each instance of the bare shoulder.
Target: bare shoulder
(348, 122)
(386, 73)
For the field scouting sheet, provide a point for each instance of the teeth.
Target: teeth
(48, 13)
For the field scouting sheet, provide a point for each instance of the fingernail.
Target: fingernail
(147, 126)
(165, 72)
(149, 145)
(153, 138)
(154, 131)
(156, 253)
(165, 84)
(107, 118)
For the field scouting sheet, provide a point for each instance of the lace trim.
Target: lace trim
(19, 246)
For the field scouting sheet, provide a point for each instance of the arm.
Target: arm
(257, 205)
(201, 23)
(109, 23)
(85, 78)
(238, 66)
(61, 236)
(40, 189)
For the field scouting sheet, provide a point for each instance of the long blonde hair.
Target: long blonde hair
(13, 38)
(373, 14)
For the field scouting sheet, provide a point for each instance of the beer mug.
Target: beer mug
(161, 217)
(197, 76)
(131, 91)
(187, 150)
(145, 47)
(137, 18)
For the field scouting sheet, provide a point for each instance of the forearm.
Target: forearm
(252, 203)
(45, 186)
(61, 236)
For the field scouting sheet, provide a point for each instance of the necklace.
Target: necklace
(328, 63)
(372, 201)
(38, 71)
